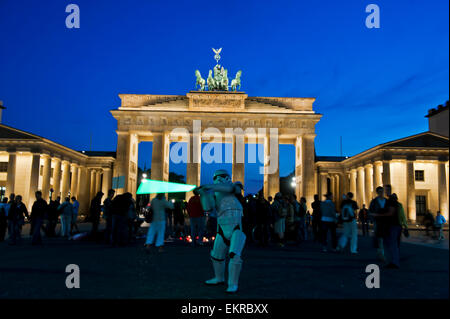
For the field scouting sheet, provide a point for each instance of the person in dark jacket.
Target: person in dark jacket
(95, 211)
(4, 210)
(38, 213)
(316, 218)
(52, 217)
(120, 206)
(377, 207)
(263, 219)
(16, 218)
(393, 228)
(107, 212)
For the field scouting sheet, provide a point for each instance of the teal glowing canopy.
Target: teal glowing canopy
(150, 186)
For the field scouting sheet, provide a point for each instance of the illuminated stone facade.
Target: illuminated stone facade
(416, 167)
(153, 117)
(30, 163)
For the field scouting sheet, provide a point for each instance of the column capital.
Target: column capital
(368, 165)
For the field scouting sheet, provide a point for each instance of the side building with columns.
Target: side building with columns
(417, 168)
(29, 163)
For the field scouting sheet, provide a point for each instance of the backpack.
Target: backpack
(347, 213)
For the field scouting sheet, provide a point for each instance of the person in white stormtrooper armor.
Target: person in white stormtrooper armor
(230, 240)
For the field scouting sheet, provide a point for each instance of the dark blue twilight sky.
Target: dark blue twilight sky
(371, 85)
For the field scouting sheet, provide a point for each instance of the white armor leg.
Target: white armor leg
(237, 243)
(218, 255)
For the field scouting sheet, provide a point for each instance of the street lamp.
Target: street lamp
(144, 175)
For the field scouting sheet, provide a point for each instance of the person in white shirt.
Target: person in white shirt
(158, 224)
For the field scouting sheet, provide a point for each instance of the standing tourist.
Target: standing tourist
(328, 221)
(76, 208)
(38, 212)
(178, 217)
(280, 212)
(302, 214)
(120, 208)
(95, 211)
(363, 217)
(439, 225)
(316, 218)
(392, 230)
(16, 218)
(196, 217)
(262, 219)
(107, 212)
(131, 218)
(66, 210)
(155, 234)
(349, 209)
(52, 216)
(4, 210)
(376, 209)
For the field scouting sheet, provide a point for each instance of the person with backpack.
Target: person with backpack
(348, 216)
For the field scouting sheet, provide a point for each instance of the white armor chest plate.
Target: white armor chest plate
(229, 211)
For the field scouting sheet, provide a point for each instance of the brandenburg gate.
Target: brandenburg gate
(208, 117)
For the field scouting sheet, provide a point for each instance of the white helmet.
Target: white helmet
(221, 176)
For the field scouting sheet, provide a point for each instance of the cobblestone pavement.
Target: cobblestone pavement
(292, 272)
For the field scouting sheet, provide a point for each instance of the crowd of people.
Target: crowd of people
(275, 220)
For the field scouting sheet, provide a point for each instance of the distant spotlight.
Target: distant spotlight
(144, 175)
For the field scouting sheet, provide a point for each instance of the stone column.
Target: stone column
(368, 183)
(65, 180)
(342, 186)
(271, 165)
(34, 179)
(377, 176)
(442, 188)
(92, 180)
(160, 158)
(360, 187)
(74, 180)
(11, 174)
(238, 146)
(106, 182)
(386, 175)
(122, 163)
(84, 190)
(98, 180)
(46, 169)
(323, 185)
(308, 164)
(193, 167)
(410, 190)
(78, 182)
(57, 177)
(353, 182)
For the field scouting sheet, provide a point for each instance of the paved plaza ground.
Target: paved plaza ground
(292, 272)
